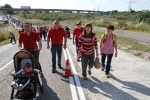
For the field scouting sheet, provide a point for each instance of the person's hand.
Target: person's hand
(101, 53)
(97, 54)
(65, 46)
(116, 54)
(22, 49)
(79, 56)
(39, 48)
(48, 47)
(40, 72)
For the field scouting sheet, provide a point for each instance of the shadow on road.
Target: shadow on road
(108, 89)
(134, 86)
(48, 94)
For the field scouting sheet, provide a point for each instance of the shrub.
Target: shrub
(122, 24)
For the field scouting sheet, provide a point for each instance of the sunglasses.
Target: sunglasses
(26, 26)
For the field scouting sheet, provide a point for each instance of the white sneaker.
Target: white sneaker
(20, 87)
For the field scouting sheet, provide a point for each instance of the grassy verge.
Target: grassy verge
(128, 45)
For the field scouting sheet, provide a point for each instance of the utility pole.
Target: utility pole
(130, 3)
(98, 7)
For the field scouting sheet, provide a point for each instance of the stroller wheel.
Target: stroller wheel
(41, 89)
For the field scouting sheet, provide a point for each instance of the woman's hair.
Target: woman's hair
(84, 31)
(27, 65)
(110, 27)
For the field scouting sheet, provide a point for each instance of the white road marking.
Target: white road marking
(79, 87)
(6, 65)
(72, 85)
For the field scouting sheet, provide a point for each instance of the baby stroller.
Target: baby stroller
(29, 91)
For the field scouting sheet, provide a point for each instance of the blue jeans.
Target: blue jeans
(109, 58)
(56, 49)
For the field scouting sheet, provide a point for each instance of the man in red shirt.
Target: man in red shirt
(29, 38)
(56, 35)
(76, 33)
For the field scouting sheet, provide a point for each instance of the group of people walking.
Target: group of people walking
(87, 47)
(84, 39)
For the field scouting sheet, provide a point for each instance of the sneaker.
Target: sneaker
(54, 71)
(14, 85)
(60, 66)
(102, 68)
(89, 72)
(20, 87)
(107, 76)
(84, 78)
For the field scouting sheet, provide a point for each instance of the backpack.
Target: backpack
(113, 37)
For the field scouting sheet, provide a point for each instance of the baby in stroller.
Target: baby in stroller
(20, 82)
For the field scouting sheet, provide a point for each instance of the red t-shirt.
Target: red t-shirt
(29, 42)
(34, 31)
(56, 35)
(19, 32)
(41, 31)
(77, 32)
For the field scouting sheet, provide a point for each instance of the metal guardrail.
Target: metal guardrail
(53, 10)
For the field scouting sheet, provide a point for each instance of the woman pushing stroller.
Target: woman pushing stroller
(21, 82)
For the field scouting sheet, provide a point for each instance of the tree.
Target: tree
(8, 6)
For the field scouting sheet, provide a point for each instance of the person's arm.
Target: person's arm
(101, 43)
(116, 52)
(20, 46)
(80, 42)
(48, 38)
(73, 35)
(38, 71)
(65, 42)
(20, 42)
(40, 44)
(95, 44)
(19, 72)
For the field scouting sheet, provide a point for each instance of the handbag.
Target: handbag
(97, 63)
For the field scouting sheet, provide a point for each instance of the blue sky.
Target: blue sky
(102, 5)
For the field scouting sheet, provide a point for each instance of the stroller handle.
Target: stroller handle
(24, 75)
(34, 49)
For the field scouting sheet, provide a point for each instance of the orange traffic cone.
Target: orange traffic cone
(68, 71)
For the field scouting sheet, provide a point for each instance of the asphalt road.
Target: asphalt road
(129, 77)
(136, 36)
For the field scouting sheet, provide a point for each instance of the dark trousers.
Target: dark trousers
(76, 40)
(36, 56)
(87, 60)
(12, 39)
(41, 36)
(44, 35)
(109, 58)
(56, 49)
